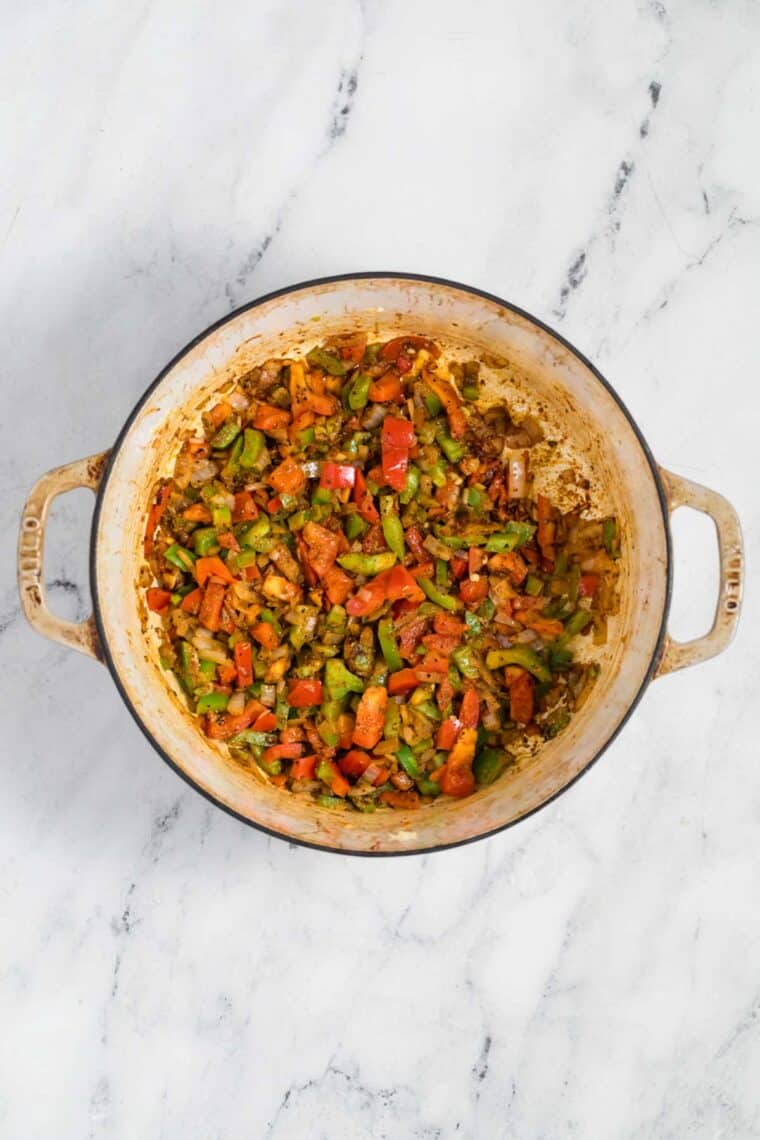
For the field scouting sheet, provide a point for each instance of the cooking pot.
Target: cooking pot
(537, 372)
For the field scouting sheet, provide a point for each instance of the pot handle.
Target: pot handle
(682, 492)
(78, 635)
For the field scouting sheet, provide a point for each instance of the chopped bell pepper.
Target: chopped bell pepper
(521, 655)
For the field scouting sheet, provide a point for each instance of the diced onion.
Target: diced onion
(268, 696)
(374, 416)
(437, 548)
(518, 476)
(202, 471)
(370, 773)
(401, 781)
(311, 468)
(237, 401)
(237, 704)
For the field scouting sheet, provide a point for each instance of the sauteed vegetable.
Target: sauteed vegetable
(359, 591)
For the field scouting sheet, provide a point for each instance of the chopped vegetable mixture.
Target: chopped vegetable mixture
(359, 592)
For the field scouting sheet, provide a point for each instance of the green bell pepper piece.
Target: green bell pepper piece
(392, 725)
(576, 623)
(358, 393)
(331, 801)
(611, 537)
(355, 526)
(321, 358)
(271, 767)
(412, 485)
(408, 761)
(445, 601)
(515, 535)
(205, 540)
(339, 681)
(212, 702)
(560, 659)
(178, 556)
(226, 435)
(428, 787)
(433, 405)
(393, 531)
(489, 764)
(554, 725)
(473, 623)
(388, 644)
(451, 448)
(254, 739)
(475, 499)
(253, 447)
(442, 574)
(520, 655)
(486, 609)
(369, 564)
(221, 518)
(533, 585)
(465, 662)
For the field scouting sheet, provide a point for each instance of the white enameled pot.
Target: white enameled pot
(536, 371)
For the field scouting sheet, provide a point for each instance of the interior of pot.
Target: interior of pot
(586, 432)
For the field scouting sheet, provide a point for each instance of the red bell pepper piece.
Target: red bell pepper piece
(283, 751)
(521, 699)
(396, 439)
(265, 634)
(471, 592)
(211, 567)
(448, 733)
(304, 694)
(287, 478)
(469, 713)
(268, 418)
(364, 501)
(354, 763)
(449, 625)
(370, 716)
(245, 508)
(303, 768)
(393, 349)
(337, 475)
(322, 545)
(457, 781)
(191, 602)
(415, 542)
(588, 585)
(243, 663)
(158, 600)
(338, 585)
(386, 586)
(265, 722)
(402, 682)
(387, 389)
(154, 518)
(210, 612)
(452, 405)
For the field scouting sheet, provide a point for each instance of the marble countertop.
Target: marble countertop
(167, 972)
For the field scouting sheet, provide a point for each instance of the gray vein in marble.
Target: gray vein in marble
(579, 266)
(338, 119)
(370, 1109)
(668, 291)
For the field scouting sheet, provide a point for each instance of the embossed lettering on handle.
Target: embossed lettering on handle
(31, 546)
(683, 493)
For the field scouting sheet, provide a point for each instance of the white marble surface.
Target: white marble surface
(167, 972)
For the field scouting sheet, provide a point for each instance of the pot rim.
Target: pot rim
(368, 276)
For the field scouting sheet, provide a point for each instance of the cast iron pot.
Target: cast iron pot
(531, 363)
